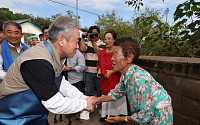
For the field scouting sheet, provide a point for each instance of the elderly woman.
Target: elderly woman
(148, 100)
(109, 78)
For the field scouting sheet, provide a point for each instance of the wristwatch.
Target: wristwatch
(70, 68)
(126, 119)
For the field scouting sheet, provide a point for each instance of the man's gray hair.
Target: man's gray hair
(62, 25)
(11, 23)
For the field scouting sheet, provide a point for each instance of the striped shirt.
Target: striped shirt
(91, 57)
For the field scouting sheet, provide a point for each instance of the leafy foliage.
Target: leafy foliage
(182, 39)
(189, 12)
(42, 21)
(71, 14)
(154, 36)
(112, 21)
(6, 14)
(136, 3)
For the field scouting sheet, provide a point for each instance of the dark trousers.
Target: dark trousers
(80, 86)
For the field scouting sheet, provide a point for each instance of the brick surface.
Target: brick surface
(180, 119)
(190, 88)
(176, 101)
(180, 76)
(173, 84)
(190, 108)
(178, 68)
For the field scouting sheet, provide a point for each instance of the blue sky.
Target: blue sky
(46, 8)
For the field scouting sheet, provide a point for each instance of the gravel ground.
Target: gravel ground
(94, 120)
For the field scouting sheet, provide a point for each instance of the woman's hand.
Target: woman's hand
(116, 119)
(109, 72)
(99, 74)
(97, 101)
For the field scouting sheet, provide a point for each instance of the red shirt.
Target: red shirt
(104, 64)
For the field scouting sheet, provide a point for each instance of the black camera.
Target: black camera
(91, 35)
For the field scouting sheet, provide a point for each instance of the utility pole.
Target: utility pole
(77, 10)
(167, 14)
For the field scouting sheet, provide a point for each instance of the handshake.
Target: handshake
(92, 102)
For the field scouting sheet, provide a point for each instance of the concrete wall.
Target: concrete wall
(181, 78)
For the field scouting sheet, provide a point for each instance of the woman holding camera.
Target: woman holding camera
(109, 78)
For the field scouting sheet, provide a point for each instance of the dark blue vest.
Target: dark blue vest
(24, 108)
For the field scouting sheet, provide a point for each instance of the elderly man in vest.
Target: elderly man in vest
(29, 91)
(11, 47)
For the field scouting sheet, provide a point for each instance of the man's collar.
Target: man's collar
(20, 46)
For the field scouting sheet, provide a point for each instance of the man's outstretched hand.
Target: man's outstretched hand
(90, 106)
(97, 101)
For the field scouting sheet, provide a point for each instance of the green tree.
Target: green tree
(111, 21)
(54, 16)
(147, 27)
(6, 14)
(136, 3)
(42, 21)
(71, 14)
(189, 12)
(47, 21)
(145, 22)
(151, 33)
(85, 29)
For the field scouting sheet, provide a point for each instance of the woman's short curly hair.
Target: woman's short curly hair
(129, 46)
(114, 34)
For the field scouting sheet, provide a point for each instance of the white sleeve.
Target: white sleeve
(69, 90)
(2, 72)
(58, 104)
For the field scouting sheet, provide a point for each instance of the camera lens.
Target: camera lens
(91, 36)
(84, 36)
(96, 35)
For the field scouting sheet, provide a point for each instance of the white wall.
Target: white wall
(29, 28)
